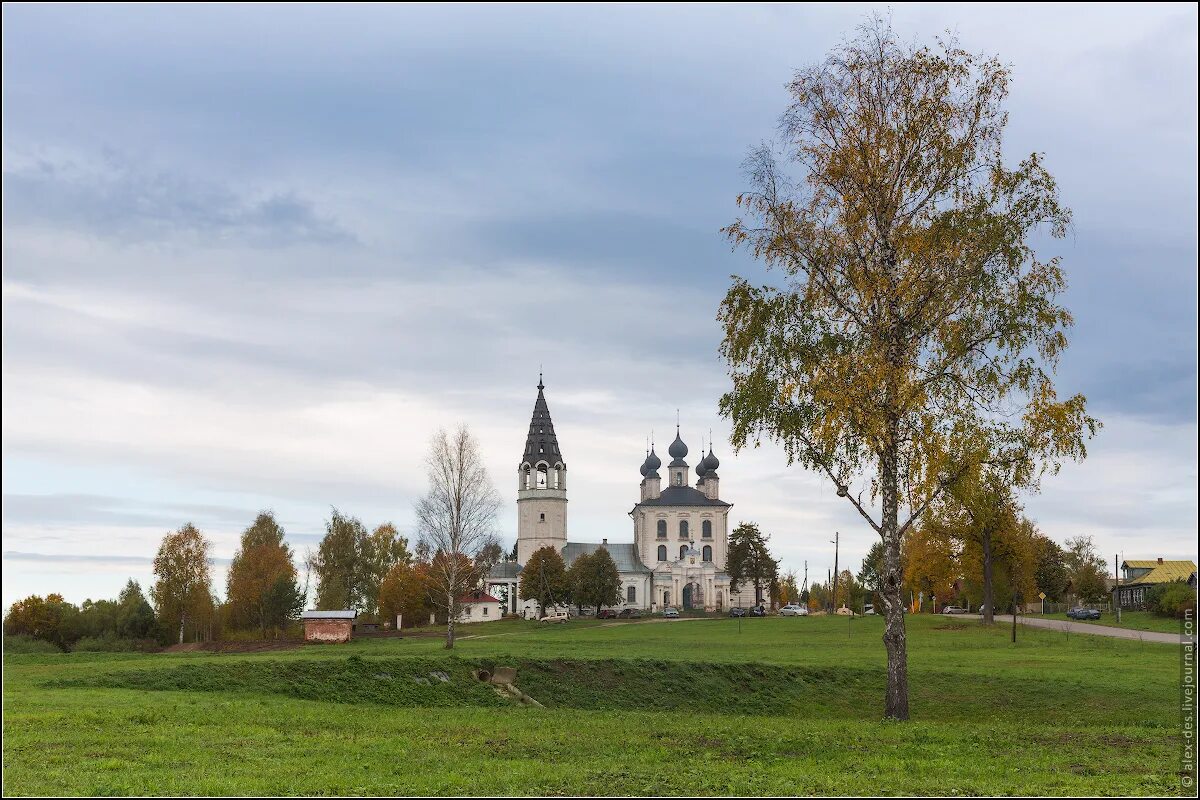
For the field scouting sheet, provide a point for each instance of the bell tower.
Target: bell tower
(541, 486)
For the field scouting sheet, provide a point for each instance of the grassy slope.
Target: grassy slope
(786, 706)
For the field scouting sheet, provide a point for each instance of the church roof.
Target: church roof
(624, 554)
(682, 496)
(505, 569)
(541, 444)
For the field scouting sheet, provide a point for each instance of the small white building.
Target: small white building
(479, 606)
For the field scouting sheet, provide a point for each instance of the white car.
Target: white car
(793, 610)
(557, 616)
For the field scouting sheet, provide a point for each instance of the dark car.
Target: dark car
(629, 613)
(606, 613)
(737, 612)
(758, 611)
(1080, 612)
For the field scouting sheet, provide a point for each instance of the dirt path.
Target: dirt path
(1095, 630)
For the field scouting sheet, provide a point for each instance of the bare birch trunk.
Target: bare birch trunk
(894, 639)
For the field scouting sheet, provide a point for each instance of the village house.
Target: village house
(479, 606)
(1139, 576)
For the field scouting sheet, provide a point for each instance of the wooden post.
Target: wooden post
(1014, 613)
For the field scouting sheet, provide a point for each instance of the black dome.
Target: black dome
(710, 461)
(653, 462)
(645, 465)
(700, 471)
(678, 449)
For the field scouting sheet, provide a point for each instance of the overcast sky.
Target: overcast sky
(255, 256)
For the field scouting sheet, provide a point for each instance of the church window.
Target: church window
(662, 530)
(708, 552)
(706, 529)
(683, 528)
(541, 478)
(679, 479)
(662, 552)
(542, 517)
(682, 550)
(631, 594)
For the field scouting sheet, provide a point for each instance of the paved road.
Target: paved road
(1097, 630)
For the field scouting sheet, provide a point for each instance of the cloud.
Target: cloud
(115, 196)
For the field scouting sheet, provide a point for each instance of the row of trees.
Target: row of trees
(95, 624)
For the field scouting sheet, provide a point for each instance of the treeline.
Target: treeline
(373, 572)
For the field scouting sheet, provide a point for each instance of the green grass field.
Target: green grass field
(784, 706)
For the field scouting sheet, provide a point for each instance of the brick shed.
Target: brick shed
(328, 626)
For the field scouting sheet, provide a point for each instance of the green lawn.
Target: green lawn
(781, 706)
(1137, 620)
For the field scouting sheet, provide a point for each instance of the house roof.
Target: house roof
(1165, 572)
(478, 597)
(348, 613)
(682, 496)
(624, 554)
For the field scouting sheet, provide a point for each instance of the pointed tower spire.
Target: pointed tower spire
(541, 444)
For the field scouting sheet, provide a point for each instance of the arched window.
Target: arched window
(706, 529)
(683, 529)
(662, 552)
(662, 530)
(541, 477)
(631, 594)
(667, 598)
(708, 552)
(682, 550)
(679, 479)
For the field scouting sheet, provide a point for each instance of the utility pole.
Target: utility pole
(1116, 595)
(836, 537)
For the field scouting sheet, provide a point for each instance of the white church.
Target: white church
(680, 531)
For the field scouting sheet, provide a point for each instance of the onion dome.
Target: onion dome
(678, 450)
(652, 464)
(700, 471)
(646, 464)
(710, 461)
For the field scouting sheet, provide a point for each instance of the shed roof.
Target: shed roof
(342, 614)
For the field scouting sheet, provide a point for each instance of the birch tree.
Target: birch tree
(456, 520)
(183, 584)
(915, 331)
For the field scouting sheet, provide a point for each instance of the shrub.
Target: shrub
(112, 644)
(28, 644)
(1171, 599)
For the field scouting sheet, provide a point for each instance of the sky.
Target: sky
(254, 256)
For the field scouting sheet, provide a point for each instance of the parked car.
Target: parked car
(868, 609)
(606, 613)
(793, 610)
(556, 616)
(758, 611)
(954, 610)
(629, 613)
(587, 612)
(671, 613)
(737, 612)
(1079, 612)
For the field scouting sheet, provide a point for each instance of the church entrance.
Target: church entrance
(692, 596)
